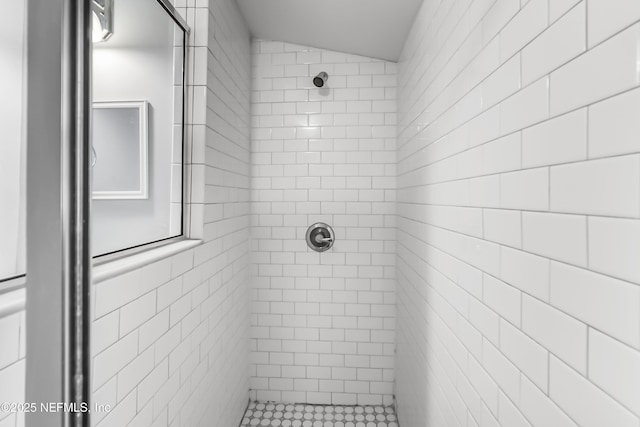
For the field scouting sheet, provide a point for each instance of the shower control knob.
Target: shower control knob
(320, 237)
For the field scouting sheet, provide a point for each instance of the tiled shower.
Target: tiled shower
(323, 323)
(485, 196)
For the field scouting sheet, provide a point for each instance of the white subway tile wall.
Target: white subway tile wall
(323, 324)
(12, 366)
(518, 207)
(171, 339)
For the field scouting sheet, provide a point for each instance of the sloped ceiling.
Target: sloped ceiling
(374, 28)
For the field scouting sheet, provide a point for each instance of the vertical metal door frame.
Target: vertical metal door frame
(58, 203)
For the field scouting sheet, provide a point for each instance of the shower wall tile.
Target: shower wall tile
(539, 409)
(524, 27)
(10, 332)
(605, 21)
(556, 141)
(323, 327)
(518, 214)
(580, 82)
(607, 187)
(171, 339)
(530, 357)
(12, 365)
(615, 368)
(613, 127)
(560, 237)
(610, 305)
(587, 404)
(503, 299)
(558, 8)
(560, 43)
(614, 247)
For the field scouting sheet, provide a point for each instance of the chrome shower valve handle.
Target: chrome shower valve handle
(320, 237)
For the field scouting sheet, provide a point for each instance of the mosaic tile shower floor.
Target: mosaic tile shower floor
(289, 415)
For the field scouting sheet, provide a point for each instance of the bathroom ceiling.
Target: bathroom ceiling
(374, 28)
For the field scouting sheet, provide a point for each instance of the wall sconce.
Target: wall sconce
(102, 26)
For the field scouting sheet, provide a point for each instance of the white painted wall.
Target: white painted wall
(323, 324)
(518, 215)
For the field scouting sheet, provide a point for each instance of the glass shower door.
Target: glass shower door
(12, 148)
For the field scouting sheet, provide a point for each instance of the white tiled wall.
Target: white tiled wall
(12, 366)
(518, 214)
(323, 325)
(171, 339)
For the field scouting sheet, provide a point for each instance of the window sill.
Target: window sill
(123, 265)
(15, 300)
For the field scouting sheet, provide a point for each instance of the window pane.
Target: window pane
(12, 147)
(137, 128)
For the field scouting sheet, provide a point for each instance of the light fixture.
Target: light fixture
(102, 25)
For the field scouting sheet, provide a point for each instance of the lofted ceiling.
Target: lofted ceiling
(374, 28)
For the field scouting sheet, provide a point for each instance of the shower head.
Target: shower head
(320, 79)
